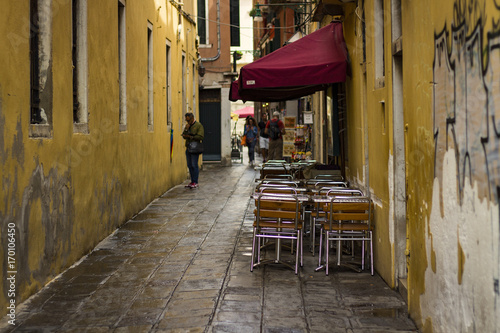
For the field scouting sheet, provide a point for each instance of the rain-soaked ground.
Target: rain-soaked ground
(183, 265)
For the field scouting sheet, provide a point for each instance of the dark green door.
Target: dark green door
(210, 117)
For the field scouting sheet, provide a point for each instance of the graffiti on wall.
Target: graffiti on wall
(467, 103)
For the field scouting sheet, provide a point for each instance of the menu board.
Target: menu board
(289, 137)
(290, 122)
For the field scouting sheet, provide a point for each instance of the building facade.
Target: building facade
(423, 140)
(218, 30)
(92, 98)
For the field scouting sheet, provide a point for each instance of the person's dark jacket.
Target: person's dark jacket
(197, 132)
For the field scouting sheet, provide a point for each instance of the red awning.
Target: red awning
(297, 69)
(233, 91)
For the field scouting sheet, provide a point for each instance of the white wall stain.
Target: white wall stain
(473, 304)
(392, 213)
(45, 43)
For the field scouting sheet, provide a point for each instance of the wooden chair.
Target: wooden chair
(319, 216)
(277, 216)
(283, 182)
(273, 171)
(278, 177)
(343, 192)
(276, 188)
(317, 184)
(335, 178)
(330, 183)
(348, 218)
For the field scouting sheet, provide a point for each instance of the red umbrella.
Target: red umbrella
(245, 112)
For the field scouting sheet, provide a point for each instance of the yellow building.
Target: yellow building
(92, 98)
(423, 139)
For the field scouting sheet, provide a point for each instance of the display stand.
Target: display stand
(302, 150)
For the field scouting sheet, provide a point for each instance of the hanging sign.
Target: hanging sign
(308, 117)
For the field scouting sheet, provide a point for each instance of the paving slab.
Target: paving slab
(183, 265)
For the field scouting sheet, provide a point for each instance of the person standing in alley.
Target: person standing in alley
(193, 131)
(251, 132)
(263, 137)
(275, 128)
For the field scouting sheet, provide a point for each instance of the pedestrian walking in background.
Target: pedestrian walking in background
(263, 137)
(275, 128)
(251, 131)
(193, 131)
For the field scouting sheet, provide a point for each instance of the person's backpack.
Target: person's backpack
(274, 130)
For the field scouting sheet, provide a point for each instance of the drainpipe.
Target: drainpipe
(218, 36)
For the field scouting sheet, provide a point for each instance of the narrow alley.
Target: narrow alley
(183, 265)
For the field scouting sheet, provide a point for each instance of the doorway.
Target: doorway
(210, 117)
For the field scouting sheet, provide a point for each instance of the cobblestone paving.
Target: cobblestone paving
(183, 265)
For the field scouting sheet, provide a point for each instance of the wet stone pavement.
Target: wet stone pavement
(183, 265)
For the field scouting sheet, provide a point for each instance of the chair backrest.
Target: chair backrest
(282, 182)
(315, 183)
(278, 176)
(276, 162)
(339, 191)
(278, 208)
(276, 188)
(324, 183)
(337, 178)
(273, 170)
(348, 209)
(325, 189)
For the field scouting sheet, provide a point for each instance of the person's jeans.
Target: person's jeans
(192, 163)
(251, 150)
(275, 149)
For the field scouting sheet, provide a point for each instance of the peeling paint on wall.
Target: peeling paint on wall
(110, 203)
(18, 145)
(460, 283)
(392, 215)
(44, 219)
(463, 240)
(80, 185)
(466, 116)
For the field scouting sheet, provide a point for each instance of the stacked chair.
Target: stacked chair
(349, 218)
(278, 216)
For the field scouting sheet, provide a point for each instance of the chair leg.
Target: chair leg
(327, 250)
(371, 252)
(320, 246)
(339, 252)
(260, 242)
(311, 226)
(253, 250)
(313, 235)
(302, 249)
(297, 253)
(363, 254)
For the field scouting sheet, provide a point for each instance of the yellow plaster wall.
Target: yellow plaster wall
(355, 166)
(419, 141)
(377, 119)
(452, 151)
(379, 109)
(67, 192)
(452, 219)
(374, 126)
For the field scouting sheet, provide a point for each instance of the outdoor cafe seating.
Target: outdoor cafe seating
(319, 215)
(349, 218)
(278, 216)
(328, 202)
